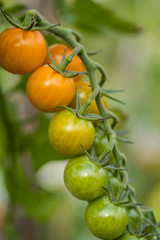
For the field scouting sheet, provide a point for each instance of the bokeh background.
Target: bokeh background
(132, 61)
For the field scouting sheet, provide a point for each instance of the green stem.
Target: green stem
(91, 66)
(89, 100)
(69, 59)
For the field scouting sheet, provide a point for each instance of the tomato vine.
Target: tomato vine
(35, 22)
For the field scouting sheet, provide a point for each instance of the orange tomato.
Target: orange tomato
(57, 51)
(47, 89)
(84, 92)
(22, 51)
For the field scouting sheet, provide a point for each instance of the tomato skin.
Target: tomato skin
(133, 218)
(104, 219)
(47, 89)
(85, 92)
(67, 132)
(57, 51)
(128, 236)
(101, 142)
(85, 179)
(22, 51)
(116, 185)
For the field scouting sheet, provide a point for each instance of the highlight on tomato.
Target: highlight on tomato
(85, 92)
(67, 133)
(47, 89)
(57, 51)
(22, 51)
(85, 179)
(105, 219)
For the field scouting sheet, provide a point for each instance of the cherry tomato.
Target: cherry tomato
(22, 51)
(57, 51)
(84, 92)
(85, 179)
(67, 132)
(133, 218)
(47, 89)
(128, 236)
(105, 219)
(101, 143)
(116, 185)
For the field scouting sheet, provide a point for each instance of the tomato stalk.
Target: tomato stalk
(91, 66)
(89, 101)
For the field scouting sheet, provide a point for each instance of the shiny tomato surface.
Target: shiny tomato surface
(67, 132)
(22, 51)
(106, 220)
(85, 92)
(47, 89)
(85, 179)
(57, 51)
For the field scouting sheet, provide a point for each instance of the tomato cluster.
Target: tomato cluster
(26, 52)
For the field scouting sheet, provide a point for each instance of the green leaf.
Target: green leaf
(3, 139)
(99, 18)
(16, 8)
(37, 203)
(40, 148)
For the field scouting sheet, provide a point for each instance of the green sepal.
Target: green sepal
(66, 73)
(94, 53)
(124, 140)
(87, 153)
(105, 93)
(92, 117)
(109, 91)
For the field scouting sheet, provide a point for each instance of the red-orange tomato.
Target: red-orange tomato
(57, 51)
(47, 89)
(22, 51)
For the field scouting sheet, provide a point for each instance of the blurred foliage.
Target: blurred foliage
(98, 19)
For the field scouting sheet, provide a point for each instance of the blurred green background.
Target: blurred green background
(131, 55)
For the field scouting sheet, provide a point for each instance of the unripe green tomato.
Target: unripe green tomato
(101, 143)
(85, 179)
(67, 133)
(133, 218)
(116, 185)
(128, 236)
(106, 220)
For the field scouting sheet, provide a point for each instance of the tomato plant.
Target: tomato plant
(57, 51)
(93, 176)
(85, 179)
(47, 89)
(67, 133)
(85, 91)
(106, 220)
(22, 51)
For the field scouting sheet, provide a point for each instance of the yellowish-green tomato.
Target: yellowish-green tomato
(67, 133)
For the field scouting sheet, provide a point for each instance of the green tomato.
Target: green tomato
(106, 220)
(128, 236)
(116, 185)
(101, 143)
(67, 133)
(85, 179)
(133, 218)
